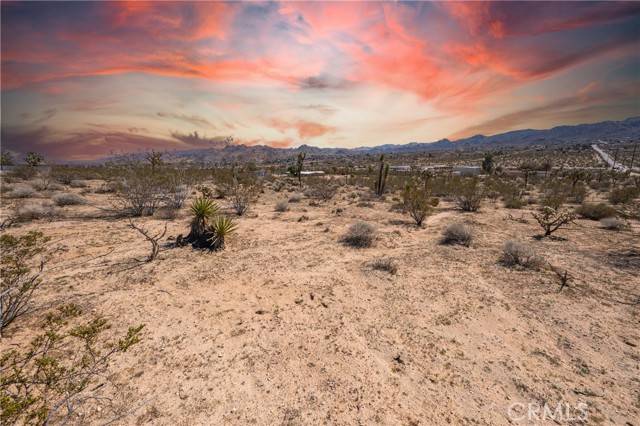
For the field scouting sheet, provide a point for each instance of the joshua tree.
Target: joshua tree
(299, 164)
(33, 159)
(6, 159)
(155, 159)
(383, 171)
(487, 163)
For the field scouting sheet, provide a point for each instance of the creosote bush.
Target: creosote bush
(517, 254)
(21, 263)
(595, 211)
(359, 235)
(416, 201)
(47, 382)
(468, 194)
(457, 233)
(68, 199)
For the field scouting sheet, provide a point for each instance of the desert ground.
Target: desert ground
(287, 325)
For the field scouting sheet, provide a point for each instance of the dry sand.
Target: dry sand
(288, 326)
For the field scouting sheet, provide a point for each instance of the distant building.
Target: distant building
(467, 170)
(312, 173)
(402, 168)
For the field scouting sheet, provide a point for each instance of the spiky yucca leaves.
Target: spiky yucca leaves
(203, 209)
(220, 228)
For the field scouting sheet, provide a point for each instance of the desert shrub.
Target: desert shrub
(176, 195)
(578, 193)
(320, 189)
(595, 211)
(614, 223)
(106, 188)
(282, 206)
(78, 184)
(515, 253)
(21, 191)
(24, 172)
(624, 194)
(385, 264)
(42, 183)
(241, 197)
(360, 235)
(34, 211)
(295, 198)
(140, 190)
(21, 264)
(47, 382)
(166, 213)
(457, 233)
(68, 199)
(468, 194)
(416, 202)
(551, 219)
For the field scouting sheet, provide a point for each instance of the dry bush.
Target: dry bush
(384, 264)
(595, 211)
(320, 189)
(614, 223)
(153, 239)
(282, 206)
(551, 219)
(78, 184)
(457, 233)
(166, 213)
(68, 199)
(176, 195)
(515, 253)
(34, 211)
(21, 264)
(242, 196)
(21, 191)
(140, 191)
(106, 188)
(65, 366)
(295, 198)
(359, 235)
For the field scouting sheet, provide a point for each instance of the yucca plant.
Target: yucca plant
(220, 228)
(203, 209)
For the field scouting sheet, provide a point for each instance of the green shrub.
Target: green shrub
(21, 264)
(624, 194)
(47, 382)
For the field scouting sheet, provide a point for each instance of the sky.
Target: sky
(84, 80)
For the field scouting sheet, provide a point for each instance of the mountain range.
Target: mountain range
(576, 134)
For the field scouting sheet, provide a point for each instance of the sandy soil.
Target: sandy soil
(288, 326)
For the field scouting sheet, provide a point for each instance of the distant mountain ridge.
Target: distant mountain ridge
(581, 133)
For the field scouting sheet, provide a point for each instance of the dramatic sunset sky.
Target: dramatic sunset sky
(83, 80)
